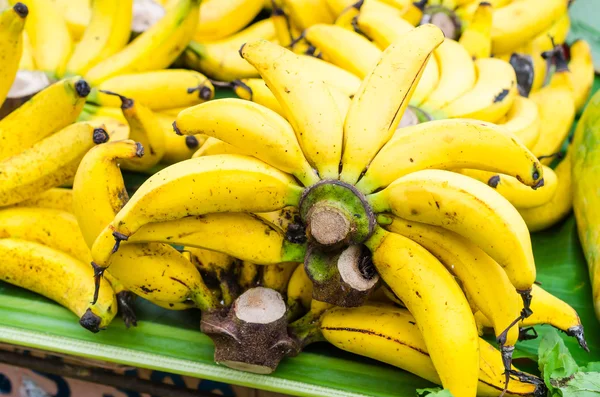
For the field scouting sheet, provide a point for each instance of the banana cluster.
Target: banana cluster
(373, 185)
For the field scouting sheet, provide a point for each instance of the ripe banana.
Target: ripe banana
(107, 33)
(277, 276)
(422, 282)
(49, 36)
(343, 48)
(220, 267)
(247, 275)
(158, 90)
(59, 277)
(56, 198)
(177, 148)
(390, 334)
(306, 13)
(213, 146)
(523, 120)
(283, 220)
(559, 206)
(53, 108)
(334, 76)
(12, 22)
(222, 18)
(490, 98)
(256, 90)
(254, 128)
(219, 183)
(379, 104)
(154, 49)
(582, 67)
(307, 102)
(469, 208)
(27, 62)
(77, 14)
(453, 60)
(449, 144)
(47, 164)
(477, 37)
(299, 292)
(519, 195)
(282, 24)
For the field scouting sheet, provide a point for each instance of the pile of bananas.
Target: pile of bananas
(373, 186)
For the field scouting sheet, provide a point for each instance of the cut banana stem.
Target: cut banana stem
(443, 18)
(251, 335)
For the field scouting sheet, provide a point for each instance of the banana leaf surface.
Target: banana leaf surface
(171, 341)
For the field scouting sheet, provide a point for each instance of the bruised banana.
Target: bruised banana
(220, 266)
(391, 335)
(222, 18)
(53, 108)
(468, 208)
(477, 37)
(307, 102)
(422, 282)
(57, 198)
(449, 144)
(284, 219)
(12, 23)
(253, 128)
(47, 164)
(372, 121)
(523, 120)
(220, 183)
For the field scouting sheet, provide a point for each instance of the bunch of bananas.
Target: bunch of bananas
(373, 186)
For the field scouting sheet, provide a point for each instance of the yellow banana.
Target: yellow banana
(469, 208)
(247, 275)
(107, 33)
(49, 36)
(422, 282)
(306, 13)
(199, 186)
(307, 102)
(256, 90)
(282, 24)
(221, 60)
(338, 6)
(334, 76)
(343, 48)
(59, 277)
(77, 14)
(56, 198)
(283, 219)
(222, 18)
(154, 49)
(582, 67)
(449, 144)
(559, 206)
(47, 164)
(477, 37)
(213, 146)
(390, 335)
(515, 24)
(379, 104)
(27, 62)
(220, 267)
(52, 109)
(523, 120)
(177, 148)
(299, 291)
(254, 128)
(466, 11)
(492, 95)
(277, 276)
(453, 60)
(12, 22)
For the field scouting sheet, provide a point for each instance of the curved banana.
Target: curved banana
(56, 198)
(247, 275)
(453, 60)
(390, 335)
(27, 62)
(53, 108)
(300, 95)
(219, 183)
(256, 90)
(221, 60)
(107, 33)
(299, 292)
(282, 24)
(213, 146)
(306, 13)
(332, 75)
(284, 219)
(222, 18)
(177, 148)
(220, 267)
(492, 95)
(277, 276)
(523, 120)
(158, 90)
(154, 49)
(515, 24)
(47, 164)
(77, 14)
(477, 37)
(49, 36)
(12, 23)
(559, 206)
(582, 67)
(449, 144)
(378, 106)
(422, 282)
(59, 277)
(344, 48)
(469, 208)
(254, 128)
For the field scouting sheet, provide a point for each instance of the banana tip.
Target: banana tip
(494, 181)
(176, 129)
(90, 321)
(83, 88)
(21, 10)
(139, 149)
(241, 50)
(100, 136)
(191, 142)
(205, 93)
(578, 333)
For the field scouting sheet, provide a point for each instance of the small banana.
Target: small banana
(379, 104)
(247, 275)
(523, 120)
(277, 276)
(255, 129)
(477, 37)
(56, 198)
(582, 67)
(299, 292)
(469, 208)
(77, 14)
(12, 22)
(107, 33)
(158, 90)
(52, 109)
(213, 146)
(282, 24)
(177, 148)
(307, 102)
(47, 164)
(222, 18)
(449, 144)
(306, 13)
(154, 49)
(256, 90)
(219, 266)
